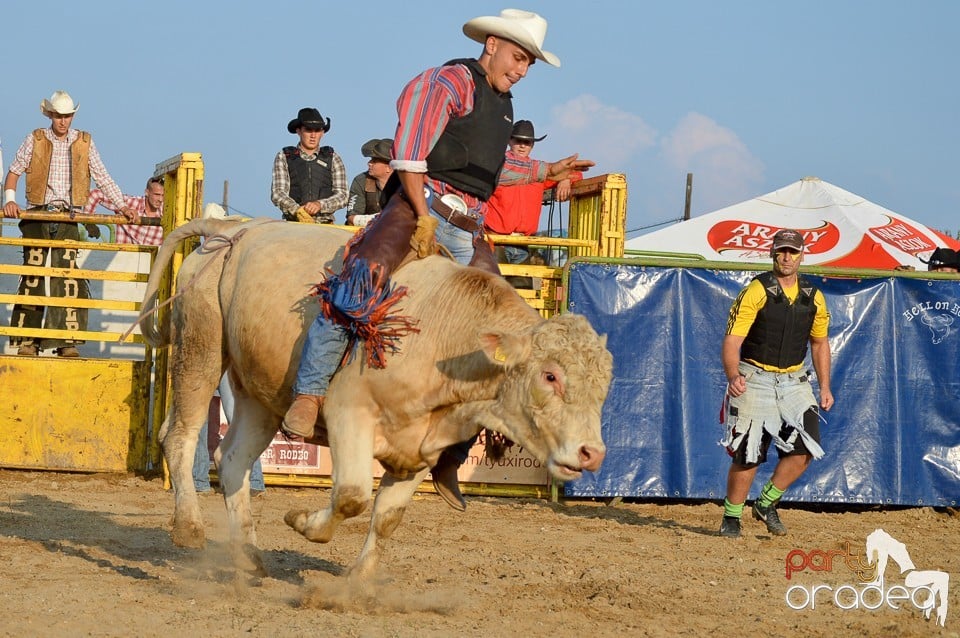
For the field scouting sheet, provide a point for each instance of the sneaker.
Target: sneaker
(68, 351)
(28, 350)
(769, 516)
(730, 527)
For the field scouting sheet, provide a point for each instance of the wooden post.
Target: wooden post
(686, 206)
(226, 190)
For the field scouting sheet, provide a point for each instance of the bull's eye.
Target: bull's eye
(551, 377)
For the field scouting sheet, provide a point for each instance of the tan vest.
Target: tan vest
(38, 171)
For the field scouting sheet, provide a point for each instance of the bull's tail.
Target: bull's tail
(155, 333)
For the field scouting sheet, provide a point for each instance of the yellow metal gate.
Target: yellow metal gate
(91, 413)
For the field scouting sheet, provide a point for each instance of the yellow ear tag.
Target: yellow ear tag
(499, 355)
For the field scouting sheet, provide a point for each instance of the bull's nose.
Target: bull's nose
(591, 458)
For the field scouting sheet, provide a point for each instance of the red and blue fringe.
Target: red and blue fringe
(353, 300)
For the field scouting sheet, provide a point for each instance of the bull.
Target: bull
(481, 358)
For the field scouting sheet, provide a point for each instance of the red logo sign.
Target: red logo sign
(749, 236)
(903, 236)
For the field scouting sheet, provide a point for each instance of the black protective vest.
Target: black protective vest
(781, 331)
(470, 152)
(310, 180)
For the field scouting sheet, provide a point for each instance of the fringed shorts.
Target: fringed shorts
(776, 407)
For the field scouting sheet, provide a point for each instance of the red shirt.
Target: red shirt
(517, 208)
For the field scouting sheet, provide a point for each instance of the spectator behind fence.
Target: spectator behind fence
(515, 209)
(943, 260)
(367, 187)
(309, 180)
(150, 204)
(59, 162)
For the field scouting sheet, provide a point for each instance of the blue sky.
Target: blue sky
(748, 96)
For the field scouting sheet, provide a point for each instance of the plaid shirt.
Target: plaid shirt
(427, 104)
(129, 233)
(280, 188)
(58, 181)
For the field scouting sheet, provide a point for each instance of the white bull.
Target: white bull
(482, 358)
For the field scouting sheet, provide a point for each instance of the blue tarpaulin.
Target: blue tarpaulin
(893, 436)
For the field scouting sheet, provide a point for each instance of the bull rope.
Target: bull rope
(219, 242)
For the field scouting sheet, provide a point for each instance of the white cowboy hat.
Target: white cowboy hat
(60, 102)
(524, 28)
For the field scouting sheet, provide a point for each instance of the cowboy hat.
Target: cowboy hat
(941, 257)
(523, 130)
(524, 28)
(308, 117)
(377, 149)
(60, 103)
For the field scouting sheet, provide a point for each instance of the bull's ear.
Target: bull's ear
(503, 349)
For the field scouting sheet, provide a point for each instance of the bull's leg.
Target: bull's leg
(195, 370)
(249, 435)
(351, 450)
(388, 509)
(179, 436)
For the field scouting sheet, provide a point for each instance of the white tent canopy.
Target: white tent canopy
(839, 229)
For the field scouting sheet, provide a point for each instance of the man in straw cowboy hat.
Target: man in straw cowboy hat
(59, 162)
(448, 157)
(309, 180)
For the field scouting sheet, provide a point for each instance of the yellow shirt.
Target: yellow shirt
(752, 298)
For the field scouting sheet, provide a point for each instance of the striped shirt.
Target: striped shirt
(129, 233)
(58, 180)
(426, 105)
(280, 187)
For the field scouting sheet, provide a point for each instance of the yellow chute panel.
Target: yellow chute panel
(95, 424)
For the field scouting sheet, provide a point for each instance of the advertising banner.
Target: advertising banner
(892, 437)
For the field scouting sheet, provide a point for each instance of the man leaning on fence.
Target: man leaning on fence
(150, 204)
(59, 162)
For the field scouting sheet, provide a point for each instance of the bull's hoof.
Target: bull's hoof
(189, 535)
(297, 519)
(249, 559)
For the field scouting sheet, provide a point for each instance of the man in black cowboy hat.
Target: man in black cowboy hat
(943, 260)
(367, 187)
(515, 209)
(309, 180)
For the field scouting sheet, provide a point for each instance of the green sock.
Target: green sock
(769, 494)
(729, 509)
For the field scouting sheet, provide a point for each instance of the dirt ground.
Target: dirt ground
(91, 556)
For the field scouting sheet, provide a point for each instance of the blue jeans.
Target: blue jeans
(326, 341)
(201, 461)
(516, 254)
(458, 241)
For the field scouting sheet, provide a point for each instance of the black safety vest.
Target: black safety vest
(781, 331)
(310, 180)
(470, 152)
